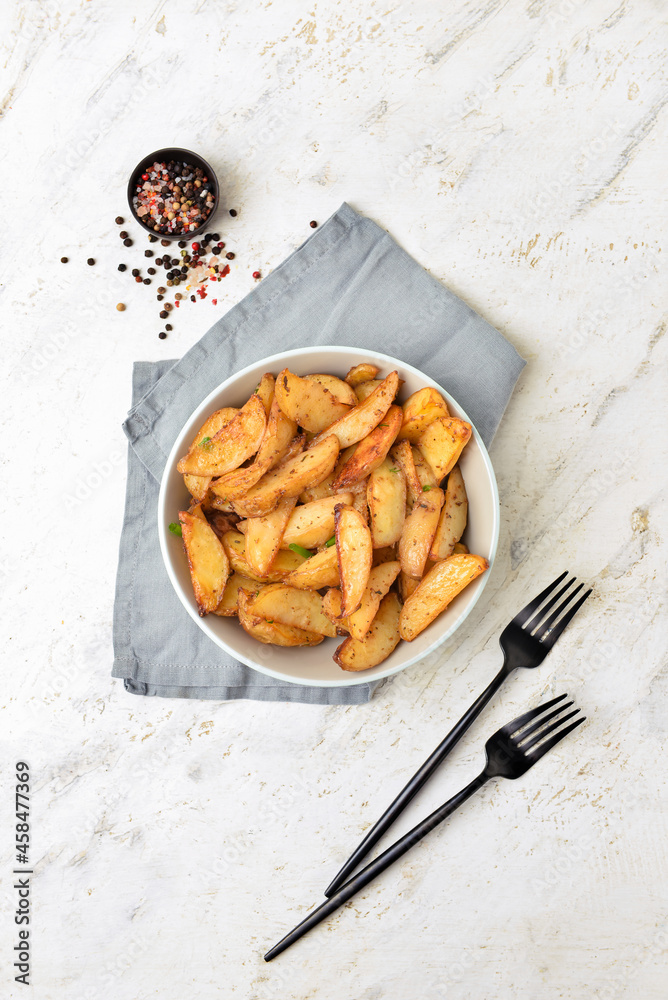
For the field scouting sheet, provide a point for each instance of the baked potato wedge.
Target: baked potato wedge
(197, 486)
(285, 563)
(355, 555)
(287, 605)
(436, 591)
(386, 498)
(289, 478)
(312, 524)
(420, 410)
(338, 388)
(207, 560)
(453, 517)
(264, 535)
(364, 389)
(359, 622)
(270, 632)
(423, 470)
(370, 451)
(279, 438)
(418, 532)
(442, 442)
(381, 639)
(228, 607)
(362, 419)
(232, 445)
(307, 402)
(361, 373)
(402, 455)
(321, 570)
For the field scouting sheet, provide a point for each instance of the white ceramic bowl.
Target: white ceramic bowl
(314, 665)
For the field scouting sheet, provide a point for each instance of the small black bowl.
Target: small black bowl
(164, 156)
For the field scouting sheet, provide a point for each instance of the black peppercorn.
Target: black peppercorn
(233, 212)
(163, 314)
(90, 261)
(313, 224)
(182, 244)
(160, 297)
(127, 243)
(148, 253)
(123, 235)
(162, 335)
(122, 267)
(168, 326)
(230, 255)
(135, 272)
(64, 260)
(147, 281)
(152, 238)
(119, 220)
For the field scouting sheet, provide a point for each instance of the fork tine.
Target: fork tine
(544, 747)
(522, 720)
(538, 617)
(526, 747)
(522, 616)
(550, 640)
(541, 722)
(549, 622)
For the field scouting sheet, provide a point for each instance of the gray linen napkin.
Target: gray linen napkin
(348, 284)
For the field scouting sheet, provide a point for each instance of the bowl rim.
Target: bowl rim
(347, 680)
(172, 151)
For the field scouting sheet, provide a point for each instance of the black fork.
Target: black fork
(510, 753)
(525, 642)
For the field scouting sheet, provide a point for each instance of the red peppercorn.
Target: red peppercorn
(215, 301)
(144, 177)
(256, 275)
(195, 247)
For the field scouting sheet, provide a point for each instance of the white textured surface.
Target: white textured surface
(518, 151)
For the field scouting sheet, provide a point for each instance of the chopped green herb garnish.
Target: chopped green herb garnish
(330, 541)
(383, 425)
(426, 488)
(176, 529)
(300, 550)
(394, 470)
(205, 443)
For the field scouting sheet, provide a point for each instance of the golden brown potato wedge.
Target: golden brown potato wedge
(453, 517)
(232, 445)
(271, 633)
(289, 478)
(355, 555)
(364, 389)
(420, 410)
(265, 391)
(284, 564)
(358, 493)
(312, 524)
(197, 486)
(423, 469)
(381, 639)
(264, 535)
(308, 402)
(278, 438)
(331, 607)
(291, 606)
(321, 570)
(362, 419)
(370, 451)
(228, 607)
(359, 622)
(402, 455)
(208, 562)
(419, 529)
(442, 442)
(338, 388)
(438, 588)
(361, 373)
(386, 497)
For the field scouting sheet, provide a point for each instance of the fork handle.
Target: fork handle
(411, 789)
(378, 865)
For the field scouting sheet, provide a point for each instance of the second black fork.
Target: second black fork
(525, 642)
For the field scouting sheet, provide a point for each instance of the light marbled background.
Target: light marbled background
(518, 151)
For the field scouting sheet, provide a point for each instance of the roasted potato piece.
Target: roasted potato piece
(232, 445)
(308, 402)
(271, 633)
(371, 450)
(197, 486)
(291, 606)
(228, 607)
(265, 391)
(284, 564)
(438, 588)
(338, 388)
(355, 556)
(208, 562)
(290, 478)
(264, 535)
(361, 373)
(403, 455)
(321, 570)
(423, 469)
(420, 410)
(362, 419)
(279, 438)
(359, 622)
(442, 442)
(386, 497)
(381, 639)
(418, 533)
(313, 524)
(453, 517)
(364, 389)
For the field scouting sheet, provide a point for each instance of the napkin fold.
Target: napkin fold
(348, 284)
